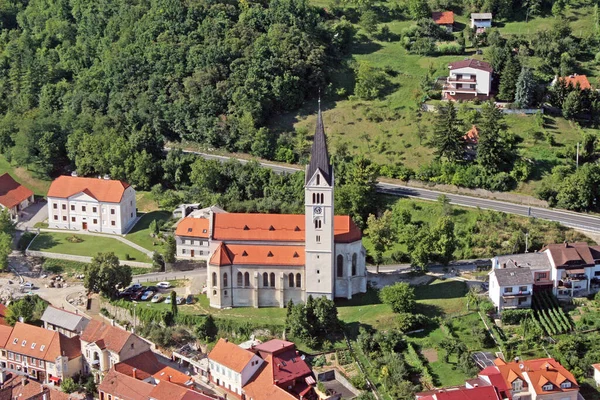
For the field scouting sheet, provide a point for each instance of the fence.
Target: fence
(84, 259)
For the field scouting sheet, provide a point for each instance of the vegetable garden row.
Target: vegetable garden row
(550, 317)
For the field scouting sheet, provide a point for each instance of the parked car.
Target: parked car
(27, 285)
(180, 300)
(147, 295)
(164, 285)
(137, 295)
(168, 300)
(189, 299)
(153, 288)
(135, 286)
(157, 298)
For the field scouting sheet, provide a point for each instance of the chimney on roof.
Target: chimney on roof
(297, 353)
(226, 340)
(503, 265)
(516, 359)
(2, 377)
(24, 380)
(476, 385)
(77, 311)
(63, 353)
(279, 366)
(547, 367)
(112, 322)
(169, 378)
(135, 373)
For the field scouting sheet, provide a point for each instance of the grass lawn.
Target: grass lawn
(90, 246)
(174, 283)
(25, 177)
(71, 268)
(441, 298)
(145, 201)
(140, 233)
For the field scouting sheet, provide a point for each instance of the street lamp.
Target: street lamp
(135, 303)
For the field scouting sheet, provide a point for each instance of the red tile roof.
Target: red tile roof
(462, 393)
(567, 255)
(146, 364)
(169, 374)
(276, 227)
(274, 345)
(41, 343)
(124, 387)
(106, 190)
(5, 332)
(443, 17)
(230, 355)
(193, 227)
(540, 372)
(106, 336)
(575, 79)
(169, 391)
(13, 388)
(242, 254)
(12, 193)
(3, 314)
(472, 63)
(262, 385)
(472, 136)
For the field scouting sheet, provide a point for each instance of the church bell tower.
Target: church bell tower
(318, 214)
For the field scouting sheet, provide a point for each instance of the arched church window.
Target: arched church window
(298, 280)
(265, 279)
(272, 279)
(340, 266)
(291, 280)
(225, 279)
(246, 279)
(214, 279)
(354, 264)
(240, 279)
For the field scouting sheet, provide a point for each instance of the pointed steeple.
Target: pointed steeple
(319, 157)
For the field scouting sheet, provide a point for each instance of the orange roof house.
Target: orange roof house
(443, 17)
(193, 227)
(472, 136)
(40, 343)
(230, 355)
(12, 193)
(240, 254)
(105, 190)
(575, 80)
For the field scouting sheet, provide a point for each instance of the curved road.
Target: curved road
(570, 219)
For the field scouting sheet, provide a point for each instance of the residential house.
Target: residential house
(271, 370)
(192, 238)
(104, 345)
(511, 287)
(537, 262)
(575, 80)
(3, 314)
(596, 368)
(5, 332)
(41, 354)
(574, 267)
(539, 379)
(468, 80)
(91, 204)
(146, 365)
(461, 393)
(14, 386)
(481, 21)
(13, 196)
(68, 323)
(445, 19)
(232, 367)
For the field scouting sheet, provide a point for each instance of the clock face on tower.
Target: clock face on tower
(317, 210)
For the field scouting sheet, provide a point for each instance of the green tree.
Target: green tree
(493, 152)
(447, 136)
(153, 228)
(5, 250)
(472, 299)
(418, 9)
(6, 223)
(382, 235)
(29, 308)
(68, 385)
(207, 330)
(170, 249)
(370, 81)
(572, 105)
(369, 21)
(400, 296)
(525, 89)
(444, 240)
(104, 274)
(509, 78)
(173, 297)
(158, 261)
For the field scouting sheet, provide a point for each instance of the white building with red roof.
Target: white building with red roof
(444, 19)
(14, 196)
(469, 79)
(265, 260)
(91, 204)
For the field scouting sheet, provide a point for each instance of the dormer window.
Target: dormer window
(565, 385)
(33, 345)
(547, 387)
(189, 230)
(16, 341)
(246, 228)
(42, 347)
(297, 229)
(271, 228)
(270, 254)
(244, 254)
(517, 385)
(23, 343)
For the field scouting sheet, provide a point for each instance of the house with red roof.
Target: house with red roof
(14, 386)
(13, 196)
(91, 204)
(271, 370)
(574, 80)
(264, 260)
(104, 345)
(469, 79)
(444, 19)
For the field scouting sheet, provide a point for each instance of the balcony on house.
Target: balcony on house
(461, 88)
(457, 78)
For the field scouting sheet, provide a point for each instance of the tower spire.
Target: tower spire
(319, 157)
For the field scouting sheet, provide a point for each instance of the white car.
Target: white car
(163, 285)
(157, 298)
(27, 285)
(168, 300)
(181, 300)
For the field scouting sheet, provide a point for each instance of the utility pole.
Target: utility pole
(135, 303)
(526, 242)
(577, 160)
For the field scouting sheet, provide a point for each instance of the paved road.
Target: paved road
(571, 219)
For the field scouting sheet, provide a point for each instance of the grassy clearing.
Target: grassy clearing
(174, 283)
(140, 233)
(89, 246)
(145, 201)
(491, 232)
(71, 268)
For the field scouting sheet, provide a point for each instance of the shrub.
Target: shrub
(400, 296)
(514, 317)
(449, 48)
(25, 239)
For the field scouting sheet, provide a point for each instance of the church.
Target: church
(266, 260)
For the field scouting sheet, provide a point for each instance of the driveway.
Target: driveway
(37, 212)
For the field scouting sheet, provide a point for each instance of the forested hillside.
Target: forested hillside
(99, 85)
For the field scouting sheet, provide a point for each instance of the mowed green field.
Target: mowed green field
(385, 130)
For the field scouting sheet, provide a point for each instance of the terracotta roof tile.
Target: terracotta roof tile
(146, 365)
(41, 343)
(575, 79)
(262, 385)
(443, 17)
(106, 190)
(472, 136)
(125, 387)
(111, 337)
(472, 63)
(540, 372)
(230, 355)
(566, 255)
(5, 332)
(276, 227)
(169, 374)
(12, 192)
(3, 314)
(193, 227)
(242, 254)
